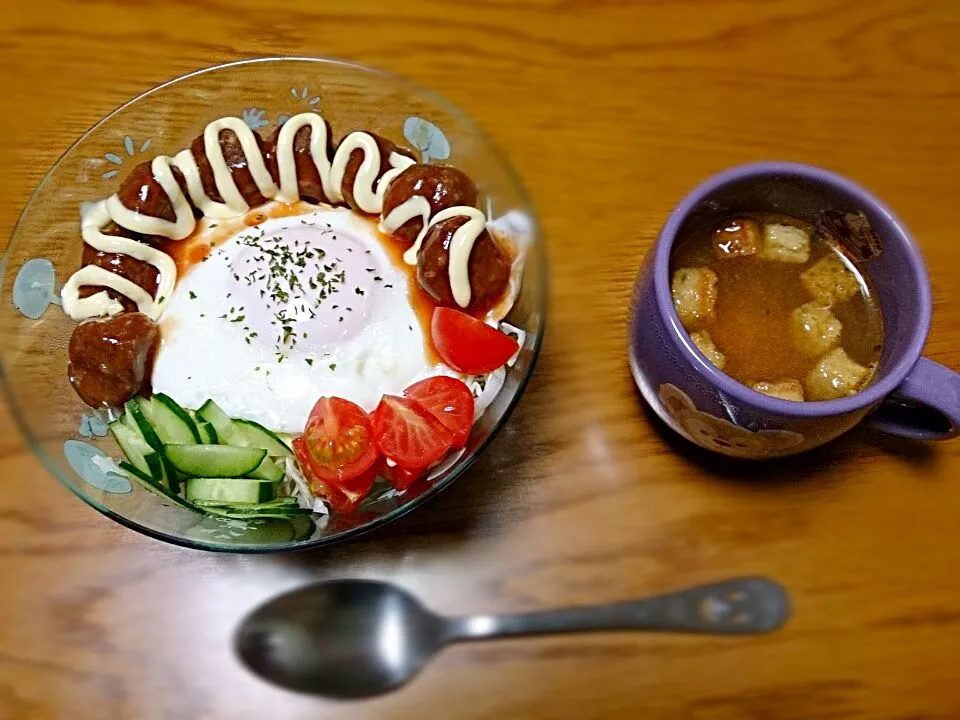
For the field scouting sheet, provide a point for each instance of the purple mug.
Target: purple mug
(909, 395)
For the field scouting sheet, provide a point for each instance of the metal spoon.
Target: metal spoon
(357, 638)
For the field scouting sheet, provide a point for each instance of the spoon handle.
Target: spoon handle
(731, 607)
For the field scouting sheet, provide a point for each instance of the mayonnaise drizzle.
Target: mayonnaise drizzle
(369, 189)
(101, 303)
(403, 213)
(187, 164)
(184, 221)
(289, 189)
(369, 200)
(226, 185)
(461, 245)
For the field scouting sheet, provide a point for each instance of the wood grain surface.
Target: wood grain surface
(610, 111)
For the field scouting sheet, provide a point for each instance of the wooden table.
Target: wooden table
(610, 112)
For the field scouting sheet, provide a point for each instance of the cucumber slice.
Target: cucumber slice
(133, 471)
(226, 431)
(260, 531)
(253, 510)
(268, 470)
(208, 434)
(235, 515)
(171, 422)
(163, 473)
(148, 462)
(256, 435)
(142, 422)
(156, 488)
(303, 526)
(127, 419)
(133, 446)
(242, 433)
(223, 461)
(280, 504)
(231, 490)
(185, 417)
(173, 478)
(157, 475)
(146, 409)
(160, 469)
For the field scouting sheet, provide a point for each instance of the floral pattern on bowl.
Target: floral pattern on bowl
(131, 150)
(34, 289)
(427, 138)
(96, 467)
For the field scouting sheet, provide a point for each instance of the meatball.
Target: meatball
(309, 183)
(356, 160)
(236, 160)
(488, 267)
(141, 193)
(136, 271)
(444, 186)
(111, 359)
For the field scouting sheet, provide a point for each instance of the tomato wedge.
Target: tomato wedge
(469, 345)
(341, 499)
(409, 435)
(339, 442)
(450, 401)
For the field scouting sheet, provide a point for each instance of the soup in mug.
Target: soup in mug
(778, 307)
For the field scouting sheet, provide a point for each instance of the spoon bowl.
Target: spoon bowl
(345, 638)
(359, 638)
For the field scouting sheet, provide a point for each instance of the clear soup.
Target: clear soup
(777, 306)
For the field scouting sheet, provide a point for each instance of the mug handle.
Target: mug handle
(926, 406)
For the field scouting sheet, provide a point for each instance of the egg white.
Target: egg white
(361, 342)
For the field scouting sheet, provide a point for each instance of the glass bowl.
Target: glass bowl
(71, 438)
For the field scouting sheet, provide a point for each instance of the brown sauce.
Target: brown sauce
(192, 250)
(423, 305)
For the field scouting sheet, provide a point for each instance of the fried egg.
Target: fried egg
(285, 312)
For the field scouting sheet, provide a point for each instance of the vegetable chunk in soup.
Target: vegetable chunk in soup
(777, 306)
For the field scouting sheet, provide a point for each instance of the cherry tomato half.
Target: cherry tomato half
(450, 401)
(340, 499)
(409, 435)
(339, 441)
(469, 345)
